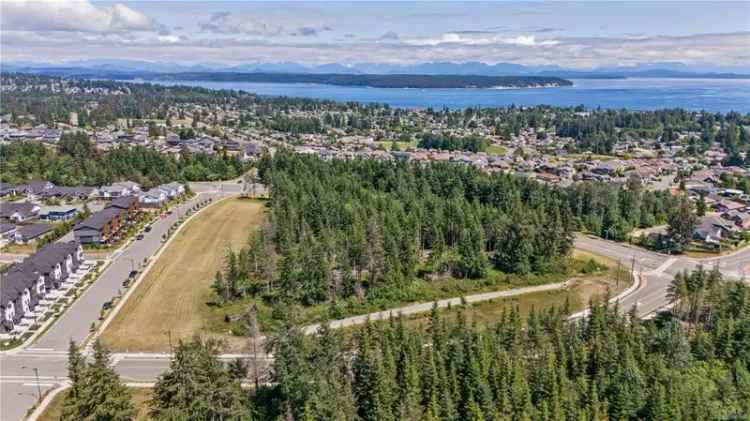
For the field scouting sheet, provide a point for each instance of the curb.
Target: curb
(638, 283)
(48, 398)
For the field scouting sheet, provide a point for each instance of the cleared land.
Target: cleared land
(175, 296)
(608, 277)
(140, 397)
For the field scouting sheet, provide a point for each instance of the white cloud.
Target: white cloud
(168, 39)
(71, 15)
(478, 38)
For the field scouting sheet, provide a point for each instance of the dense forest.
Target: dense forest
(77, 162)
(368, 229)
(689, 365)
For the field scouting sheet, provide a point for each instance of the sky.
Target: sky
(569, 34)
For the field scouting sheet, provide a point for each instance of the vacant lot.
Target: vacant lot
(174, 298)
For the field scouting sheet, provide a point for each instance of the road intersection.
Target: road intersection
(20, 386)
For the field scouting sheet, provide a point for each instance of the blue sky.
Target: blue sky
(570, 34)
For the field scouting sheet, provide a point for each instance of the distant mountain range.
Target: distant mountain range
(136, 68)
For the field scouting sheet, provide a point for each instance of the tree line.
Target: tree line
(76, 162)
(472, 143)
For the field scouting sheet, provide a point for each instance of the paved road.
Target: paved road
(18, 382)
(658, 269)
(48, 354)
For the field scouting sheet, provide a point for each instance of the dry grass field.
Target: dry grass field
(175, 295)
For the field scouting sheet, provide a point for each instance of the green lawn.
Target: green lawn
(401, 145)
(497, 150)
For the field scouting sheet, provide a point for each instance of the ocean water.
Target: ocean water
(713, 95)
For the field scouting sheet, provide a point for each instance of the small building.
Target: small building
(32, 232)
(252, 152)
(100, 227)
(130, 205)
(173, 189)
(80, 192)
(19, 212)
(124, 188)
(712, 230)
(7, 231)
(7, 190)
(153, 198)
(58, 213)
(34, 189)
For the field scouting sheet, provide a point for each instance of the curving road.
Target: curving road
(18, 383)
(658, 269)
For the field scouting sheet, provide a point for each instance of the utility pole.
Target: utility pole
(253, 327)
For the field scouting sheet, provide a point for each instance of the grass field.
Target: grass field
(497, 150)
(140, 398)
(175, 296)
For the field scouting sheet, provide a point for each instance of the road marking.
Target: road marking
(664, 266)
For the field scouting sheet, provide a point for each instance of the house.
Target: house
(712, 230)
(153, 198)
(130, 205)
(7, 231)
(34, 189)
(726, 205)
(740, 218)
(25, 285)
(109, 192)
(7, 190)
(80, 193)
(173, 189)
(29, 233)
(58, 213)
(252, 152)
(18, 212)
(124, 188)
(99, 227)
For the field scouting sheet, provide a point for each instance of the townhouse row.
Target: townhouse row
(29, 288)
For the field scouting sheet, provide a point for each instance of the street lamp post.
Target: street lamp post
(38, 386)
(169, 338)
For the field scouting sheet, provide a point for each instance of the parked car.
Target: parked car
(148, 228)
(139, 237)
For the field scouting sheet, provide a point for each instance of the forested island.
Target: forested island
(363, 80)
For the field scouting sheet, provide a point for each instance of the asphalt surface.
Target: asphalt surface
(18, 383)
(657, 270)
